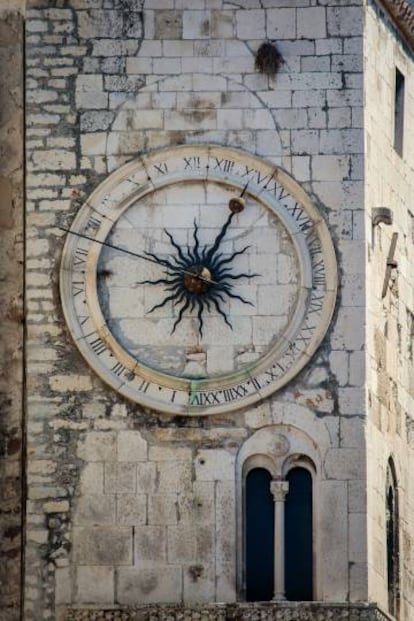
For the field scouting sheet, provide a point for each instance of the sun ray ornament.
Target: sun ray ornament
(198, 278)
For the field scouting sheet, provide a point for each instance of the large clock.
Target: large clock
(198, 279)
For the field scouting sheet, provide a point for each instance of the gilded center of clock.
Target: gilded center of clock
(198, 279)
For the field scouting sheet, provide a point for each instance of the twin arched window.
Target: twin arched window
(279, 537)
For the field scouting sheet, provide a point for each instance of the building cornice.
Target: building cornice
(402, 14)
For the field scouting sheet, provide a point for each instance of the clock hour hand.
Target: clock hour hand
(146, 257)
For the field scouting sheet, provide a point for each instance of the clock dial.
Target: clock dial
(198, 279)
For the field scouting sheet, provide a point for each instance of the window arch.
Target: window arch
(392, 540)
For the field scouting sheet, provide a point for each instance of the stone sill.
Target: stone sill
(269, 611)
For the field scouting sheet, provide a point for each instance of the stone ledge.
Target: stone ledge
(283, 611)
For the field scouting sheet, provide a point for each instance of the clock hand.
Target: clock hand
(151, 258)
(237, 204)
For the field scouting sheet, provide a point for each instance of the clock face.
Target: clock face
(198, 279)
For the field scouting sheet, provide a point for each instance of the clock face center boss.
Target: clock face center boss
(198, 279)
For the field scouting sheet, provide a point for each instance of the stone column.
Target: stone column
(279, 490)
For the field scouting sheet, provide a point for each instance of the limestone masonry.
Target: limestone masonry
(207, 413)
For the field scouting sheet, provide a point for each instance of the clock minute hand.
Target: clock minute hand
(150, 259)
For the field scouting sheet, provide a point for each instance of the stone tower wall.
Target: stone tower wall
(126, 506)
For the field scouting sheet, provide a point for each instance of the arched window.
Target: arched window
(299, 536)
(391, 517)
(259, 546)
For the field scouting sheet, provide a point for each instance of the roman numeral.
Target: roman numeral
(78, 287)
(93, 223)
(80, 257)
(204, 398)
(316, 304)
(98, 346)
(144, 385)
(318, 276)
(314, 245)
(237, 392)
(255, 383)
(162, 168)
(301, 218)
(256, 176)
(305, 334)
(192, 162)
(83, 319)
(224, 165)
(118, 369)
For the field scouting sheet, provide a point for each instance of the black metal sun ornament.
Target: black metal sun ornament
(200, 277)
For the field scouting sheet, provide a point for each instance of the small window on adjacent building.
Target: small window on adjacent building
(392, 540)
(399, 111)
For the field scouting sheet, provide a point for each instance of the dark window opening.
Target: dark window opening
(259, 536)
(391, 509)
(399, 111)
(298, 536)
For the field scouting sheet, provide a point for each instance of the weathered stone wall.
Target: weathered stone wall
(389, 182)
(127, 506)
(11, 310)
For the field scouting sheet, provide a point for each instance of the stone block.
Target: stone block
(250, 24)
(102, 545)
(311, 23)
(199, 583)
(95, 509)
(98, 446)
(149, 586)
(92, 479)
(349, 330)
(131, 446)
(146, 477)
(150, 545)
(120, 478)
(332, 524)
(281, 23)
(225, 522)
(345, 21)
(191, 544)
(203, 502)
(221, 24)
(53, 159)
(214, 465)
(357, 537)
(226, 582)
(131, 509)
(344, 463)
(109, 24)
(163, 509)
(196, 24)
(169, 453)
(174, 477)
(168, 24)
(63, 588)
(95, 585)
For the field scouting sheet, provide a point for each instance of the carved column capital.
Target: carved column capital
(279, 489)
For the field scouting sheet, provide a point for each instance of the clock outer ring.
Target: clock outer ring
(225, 382)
